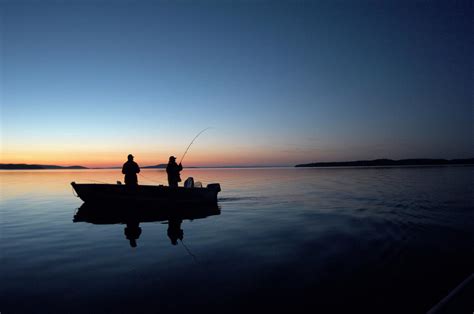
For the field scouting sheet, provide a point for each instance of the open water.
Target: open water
(289, 240)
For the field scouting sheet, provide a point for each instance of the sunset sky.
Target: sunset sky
(280, 83)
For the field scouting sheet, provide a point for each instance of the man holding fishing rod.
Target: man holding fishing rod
(173, 169)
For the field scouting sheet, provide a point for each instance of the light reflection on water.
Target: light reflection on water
(370, 237)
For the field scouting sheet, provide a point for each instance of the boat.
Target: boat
(151, 194)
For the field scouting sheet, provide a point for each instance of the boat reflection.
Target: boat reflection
(132, 216)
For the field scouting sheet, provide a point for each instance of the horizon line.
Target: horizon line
(155, 166)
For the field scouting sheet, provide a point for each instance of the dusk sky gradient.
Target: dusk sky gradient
(281, 83)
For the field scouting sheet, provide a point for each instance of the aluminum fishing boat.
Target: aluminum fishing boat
(151, 194)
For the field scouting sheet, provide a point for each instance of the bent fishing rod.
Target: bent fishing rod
(202, 131)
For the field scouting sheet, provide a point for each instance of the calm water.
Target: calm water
(386, 240)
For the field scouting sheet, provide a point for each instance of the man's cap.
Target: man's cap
(130, 156)
(172, 158)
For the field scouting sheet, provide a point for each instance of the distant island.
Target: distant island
(390, 162)
(39, 167)
(36, 167)
(160, 166)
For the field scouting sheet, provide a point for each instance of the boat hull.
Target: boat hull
(118, 193)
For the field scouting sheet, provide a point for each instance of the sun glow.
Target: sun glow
(197, 156)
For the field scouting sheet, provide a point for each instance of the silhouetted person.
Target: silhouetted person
(174, 230)
(130, 170)
(173, 169)
(132, 232)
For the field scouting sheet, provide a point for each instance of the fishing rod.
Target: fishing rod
(202, 131)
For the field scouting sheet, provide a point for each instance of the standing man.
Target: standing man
(130, 170)
(173, 169)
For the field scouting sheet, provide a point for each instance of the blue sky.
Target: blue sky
(280, 82)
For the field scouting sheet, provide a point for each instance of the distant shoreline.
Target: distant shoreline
(390, 162)
(358, 163)
(161, 166)
(37, 167)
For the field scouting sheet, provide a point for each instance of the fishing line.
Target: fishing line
(149, 179)
(189, 252)
(193, 142)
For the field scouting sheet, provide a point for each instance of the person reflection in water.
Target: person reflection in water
(174, 230)
(132, 232)
(130, 170)
(173, 169)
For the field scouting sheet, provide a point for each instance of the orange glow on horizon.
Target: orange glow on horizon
(116, 159)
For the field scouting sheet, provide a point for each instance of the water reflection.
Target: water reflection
(132, 232)
(174, 230)
(132, 216)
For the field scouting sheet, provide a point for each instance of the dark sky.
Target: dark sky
(280, 82)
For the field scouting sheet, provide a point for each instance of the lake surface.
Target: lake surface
(385, 240)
